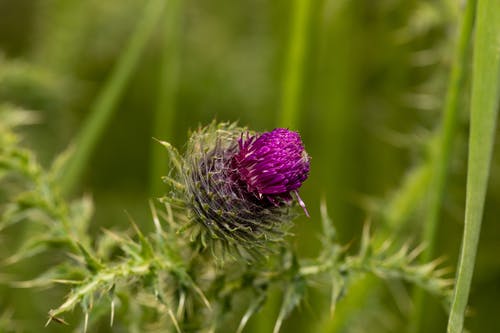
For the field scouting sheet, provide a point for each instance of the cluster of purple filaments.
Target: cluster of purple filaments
(273, 165)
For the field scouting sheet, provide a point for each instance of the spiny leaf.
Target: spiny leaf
(92, 263)
(329, 232)
(147, 250)
(485, 100)
(254, 306)
(386, 263)
(174, 155)
(58, 165)
(30, 248)
(294, 293)
(80, 213)
(50, 276)
(338, 289)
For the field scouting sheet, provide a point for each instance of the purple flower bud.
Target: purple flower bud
(273, 164)
(238, 190)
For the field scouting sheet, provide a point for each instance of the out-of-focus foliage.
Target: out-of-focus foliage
(176, 281)
(371, 98)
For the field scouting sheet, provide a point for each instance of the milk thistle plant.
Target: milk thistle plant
(219, 246)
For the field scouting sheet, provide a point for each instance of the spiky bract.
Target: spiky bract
(221, 202)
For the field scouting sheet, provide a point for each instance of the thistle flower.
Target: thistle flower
(273, 164)
(239, 184)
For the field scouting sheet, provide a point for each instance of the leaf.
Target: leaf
(174, 155)
(93, 264)
(254, 306)
(485, 98)
(30, 248)
(51, 276)
(328, 228)
(147, 250)
(80, 214)
(292, 297)
(60, 162)
(338, 289)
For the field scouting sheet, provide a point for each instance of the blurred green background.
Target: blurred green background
(362, 81)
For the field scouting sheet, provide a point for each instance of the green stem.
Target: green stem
(105, 104)
(294, 64)
(441, 156)
(165, 107)
(484, 107)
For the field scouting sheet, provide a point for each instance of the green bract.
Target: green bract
(222, 211)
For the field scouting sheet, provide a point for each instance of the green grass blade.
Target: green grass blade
(484, 107)
(165, 107)
(105, 104)
(293, 75)
(442, 154)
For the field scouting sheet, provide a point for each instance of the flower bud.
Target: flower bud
(238, 184)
